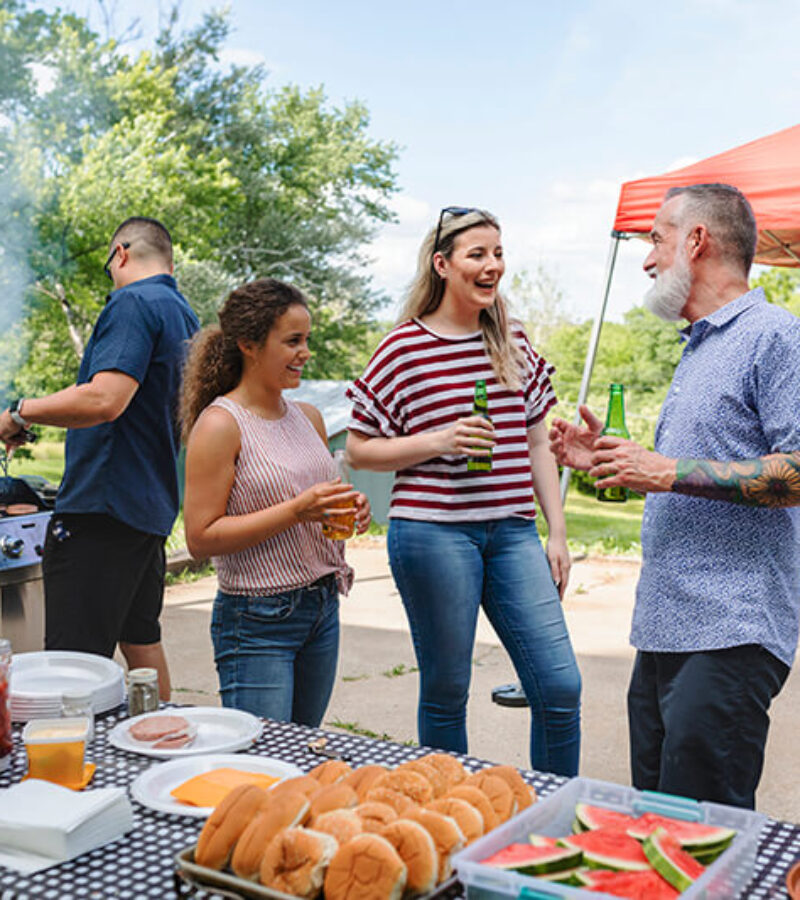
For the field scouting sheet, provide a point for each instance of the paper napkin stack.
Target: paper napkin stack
(43, 824)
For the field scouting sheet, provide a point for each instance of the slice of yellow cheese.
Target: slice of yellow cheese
(210, 788)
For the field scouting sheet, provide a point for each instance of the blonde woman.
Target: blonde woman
(460, 539)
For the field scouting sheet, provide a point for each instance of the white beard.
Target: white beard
(668, 295)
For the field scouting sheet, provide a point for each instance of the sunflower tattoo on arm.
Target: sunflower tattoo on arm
(771, 481)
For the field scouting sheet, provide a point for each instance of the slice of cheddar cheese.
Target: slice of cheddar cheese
(210, 788)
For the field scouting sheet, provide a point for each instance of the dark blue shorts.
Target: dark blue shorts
(103, 583)
(698, 721)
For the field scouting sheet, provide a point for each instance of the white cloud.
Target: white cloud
(569, 234)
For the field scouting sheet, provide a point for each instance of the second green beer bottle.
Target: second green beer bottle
(615, 425)
(480, 407)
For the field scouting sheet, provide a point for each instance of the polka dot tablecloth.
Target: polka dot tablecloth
(140, 866)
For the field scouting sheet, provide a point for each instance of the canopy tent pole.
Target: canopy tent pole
(594, 340)
(787, 248)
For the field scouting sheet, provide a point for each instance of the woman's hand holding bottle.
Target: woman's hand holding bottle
(472, 435)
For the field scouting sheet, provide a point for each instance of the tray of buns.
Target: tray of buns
(318, 835)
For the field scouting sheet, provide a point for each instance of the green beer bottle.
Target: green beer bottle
(480, 407)
(615, 425)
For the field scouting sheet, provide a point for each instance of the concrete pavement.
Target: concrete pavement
(376, 686)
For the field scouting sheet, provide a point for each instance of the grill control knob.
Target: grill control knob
(11, 547)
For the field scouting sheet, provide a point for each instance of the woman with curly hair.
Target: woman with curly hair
(259, 484)
(459, 539)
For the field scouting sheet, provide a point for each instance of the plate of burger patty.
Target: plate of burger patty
(187, 731)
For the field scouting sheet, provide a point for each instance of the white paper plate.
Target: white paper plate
(152, 788)
(38, 679)
(48, 673)
(219, 730)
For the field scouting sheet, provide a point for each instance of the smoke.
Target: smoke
(16, 239)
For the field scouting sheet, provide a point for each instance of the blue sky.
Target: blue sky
(535, 110)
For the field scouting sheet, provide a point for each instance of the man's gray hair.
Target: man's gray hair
(727, 214)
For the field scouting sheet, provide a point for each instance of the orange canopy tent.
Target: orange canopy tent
(767, 171)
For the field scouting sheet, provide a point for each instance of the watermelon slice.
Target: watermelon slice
(591, 817)
(608, 848)
(568, 876)
(541, 840)
(690, 835)
(631, 885)
(668, 859)
(532, 860)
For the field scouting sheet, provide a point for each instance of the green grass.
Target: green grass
(603, 528)
(46, 459)
(592, 527)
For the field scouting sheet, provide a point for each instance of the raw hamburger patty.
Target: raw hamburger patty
(154, 727)
(174, 743)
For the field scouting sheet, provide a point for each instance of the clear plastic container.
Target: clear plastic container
(6, 739)
(340, 526)
(723, 879)
(78, 702)
(56, 749)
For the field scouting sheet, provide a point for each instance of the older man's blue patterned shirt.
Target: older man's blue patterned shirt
(717, 574)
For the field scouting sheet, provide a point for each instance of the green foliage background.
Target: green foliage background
(252, 180)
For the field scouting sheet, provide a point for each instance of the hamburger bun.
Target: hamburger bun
(225, 825)
(448, 766)
(332, 796)
(415, 846)
(303, 784)
(284, 811)
(295, 860)
(479, 800)
(375, 815)
(342, 824)
(363, 778)
(468, 819)
(415, 786)
(400, 803)
(523, 793)
(434, 776)
(446, 834)
(331, 771)
(499, 793)
(366, 868)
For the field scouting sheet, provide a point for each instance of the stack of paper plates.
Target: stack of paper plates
(38, 680)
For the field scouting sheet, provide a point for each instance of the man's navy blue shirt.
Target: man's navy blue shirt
(127, 468)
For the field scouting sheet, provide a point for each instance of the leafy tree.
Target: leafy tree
(251, 182)
(782, 287)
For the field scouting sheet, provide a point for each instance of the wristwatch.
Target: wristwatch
(14, 412)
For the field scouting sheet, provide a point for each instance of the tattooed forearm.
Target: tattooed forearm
(768, 481)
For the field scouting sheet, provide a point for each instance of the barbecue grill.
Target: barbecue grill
(25, 510)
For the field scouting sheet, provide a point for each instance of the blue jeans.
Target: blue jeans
(445, 572)
(276, 656)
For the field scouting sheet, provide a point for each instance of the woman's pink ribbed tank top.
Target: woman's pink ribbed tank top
(278, 460)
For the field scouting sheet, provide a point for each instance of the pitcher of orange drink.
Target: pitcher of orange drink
(340, 526)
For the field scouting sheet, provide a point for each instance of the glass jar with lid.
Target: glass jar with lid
(6, 741)
(142, 691)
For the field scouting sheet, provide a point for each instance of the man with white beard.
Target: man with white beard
(716, 618)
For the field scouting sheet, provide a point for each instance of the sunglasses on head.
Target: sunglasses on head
(124, 245)
(450, 211)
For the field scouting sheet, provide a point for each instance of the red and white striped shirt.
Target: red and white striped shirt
(418, 381)
(278, 460)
